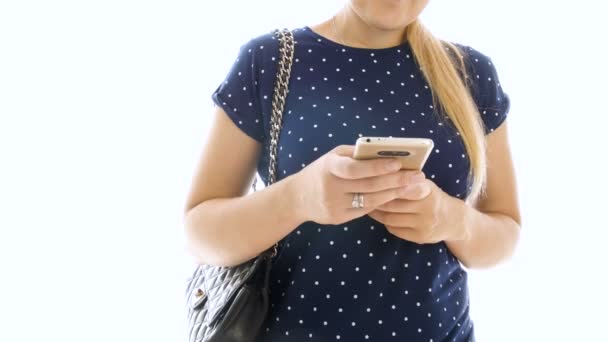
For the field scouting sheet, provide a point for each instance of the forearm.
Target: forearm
(228, 231)
(490, 239)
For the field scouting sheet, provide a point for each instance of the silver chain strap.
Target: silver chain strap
(281, 88)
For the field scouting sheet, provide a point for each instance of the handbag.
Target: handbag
(230, 304)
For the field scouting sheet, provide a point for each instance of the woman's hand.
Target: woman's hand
(425, 214)
(324, 189)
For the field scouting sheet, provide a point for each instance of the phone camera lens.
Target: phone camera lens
(368, 140)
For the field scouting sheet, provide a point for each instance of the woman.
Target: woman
(393, 270)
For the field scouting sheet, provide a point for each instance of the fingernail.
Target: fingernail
(418, 177)
(407, 190)
(394, 165)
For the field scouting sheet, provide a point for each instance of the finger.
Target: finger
(345, 166)
(384, 182)
(397, 219)
(416, 191)
(372, 200)
(348, 168)
(344, 150)
(400, 206)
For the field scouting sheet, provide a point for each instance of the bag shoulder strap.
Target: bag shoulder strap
(281, 88)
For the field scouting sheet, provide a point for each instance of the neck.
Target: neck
(353, 31)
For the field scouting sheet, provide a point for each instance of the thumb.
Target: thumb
(344, 150)
(416, 191)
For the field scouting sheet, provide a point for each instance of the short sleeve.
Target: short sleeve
(492, 101)
(238, 93)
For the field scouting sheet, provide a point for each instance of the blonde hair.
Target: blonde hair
(451, 95)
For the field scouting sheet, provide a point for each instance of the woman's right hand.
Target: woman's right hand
(324, 189)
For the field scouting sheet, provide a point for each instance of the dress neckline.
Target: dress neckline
(322, 39)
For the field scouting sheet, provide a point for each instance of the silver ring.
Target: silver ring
(357, 200)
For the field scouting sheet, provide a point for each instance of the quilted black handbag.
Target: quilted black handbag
(229, 304)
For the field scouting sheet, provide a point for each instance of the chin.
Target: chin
(389, 24)
(390, 21)
(388, 15)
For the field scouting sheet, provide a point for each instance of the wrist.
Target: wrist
(294, 199)
(462, 214)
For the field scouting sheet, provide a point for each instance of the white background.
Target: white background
(104, 110)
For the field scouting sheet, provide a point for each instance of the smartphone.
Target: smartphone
(413, 152)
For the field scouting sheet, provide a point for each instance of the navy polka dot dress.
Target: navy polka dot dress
(356, 281)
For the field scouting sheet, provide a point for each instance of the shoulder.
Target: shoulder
(479, 65)
(261, 53)
(268, 43)
(260, 44)
(484, 83)
(482, 74)
(472, 53)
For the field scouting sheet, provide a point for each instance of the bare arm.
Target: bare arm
(222, 226)
(493, 224)
(225, 228)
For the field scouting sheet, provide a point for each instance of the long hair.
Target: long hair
(447, 78)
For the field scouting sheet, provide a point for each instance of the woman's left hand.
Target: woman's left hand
(426, 214)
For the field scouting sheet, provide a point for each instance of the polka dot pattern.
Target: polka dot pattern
(356, 281)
